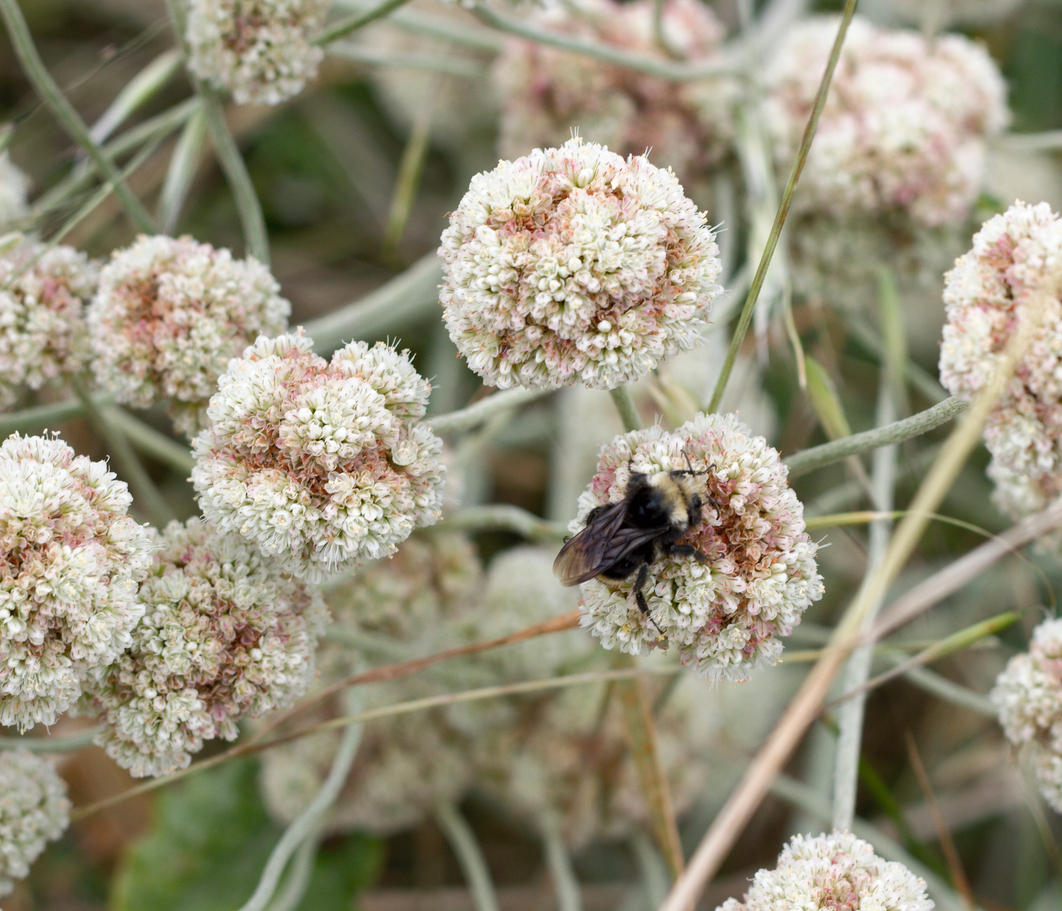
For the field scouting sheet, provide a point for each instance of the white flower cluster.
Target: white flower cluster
(322, 465)
(547, 92)
(169, 315)
(71, 561)
(1028, 698)
(260, 51)
(726, 615)
(573, 265)
(832, 872)
(43, 291)
(1012, 273)
(14, 187)
(34, 810)
(904, 126)
(225, 636)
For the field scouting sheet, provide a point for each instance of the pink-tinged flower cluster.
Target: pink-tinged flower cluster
(574, 265)
(832, 872)
(14, 187)
(34, 810)
(324, 466)
(70, 561)
(43, 292)
(1028, 698)
(1012, 273)
(169, 315)
(259, 51)
(546, 92)
(905, 123)
(726, 615)
(418, 602)
(225, 635)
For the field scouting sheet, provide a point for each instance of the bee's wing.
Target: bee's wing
(603, 543)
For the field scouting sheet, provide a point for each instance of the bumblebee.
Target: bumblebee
(625, 538)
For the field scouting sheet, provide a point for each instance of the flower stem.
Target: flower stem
(151, 441)
(463, 842)
(783, 210)
(53, 97)
(478, 412)
(503, 517)
(621, 398)
(917, 424)
(51, 744)
(559, 862)
(32, 420)
(355, 21)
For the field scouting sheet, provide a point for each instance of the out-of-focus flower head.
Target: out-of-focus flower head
(169, 315)
(14, 188)
(905, 123)
(224, 636)
(832, 872)
(322, 465)
(1028, 698)
(70, 561)
(941, 12)
(1012, 273)
(259, 51)
(34, 810)
(43, 292)
(574, 265)
(727, 615)
(422, 600)
(547, 92)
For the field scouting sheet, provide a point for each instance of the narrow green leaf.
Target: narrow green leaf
(825, 401)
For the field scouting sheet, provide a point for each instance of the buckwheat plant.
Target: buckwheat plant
(726, 616)
(323, 465)
(43, 336)
(834, 872)
(34, 810)
(72, 558)
(574, 265)
(1012, 273)
(14, 188)
(168, 316)
(259, 51)
(224, 636)
(1028, 698)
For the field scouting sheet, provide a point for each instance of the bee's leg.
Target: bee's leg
(687, 550)
(639, 595)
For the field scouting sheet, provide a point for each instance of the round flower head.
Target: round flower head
(14, 187)
(573, 265)
(409, 605)
(322, 465)
(260, 51)
(725, 614)
(1013, 272)
(169, 315)
(905, 123)
(547, 92)
(834, 872)
(225, 635)
(944, 12)
(43, 290)
(1028, 698)
(34, 810)
(70, 559)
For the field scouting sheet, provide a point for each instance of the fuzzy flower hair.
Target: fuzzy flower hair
(573, 265)
(1015, 265)
(14, 187)
(905, 124)
(1028, 698)
(34, 810)
(547, 92)
(43, 292)
(70, 561)
(832, 872)
(727, 614)
(260, 51)
(225, 635)
(169, 315)
(322, 465)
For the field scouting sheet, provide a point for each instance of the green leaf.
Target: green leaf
(209, 842)
(825, 401)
